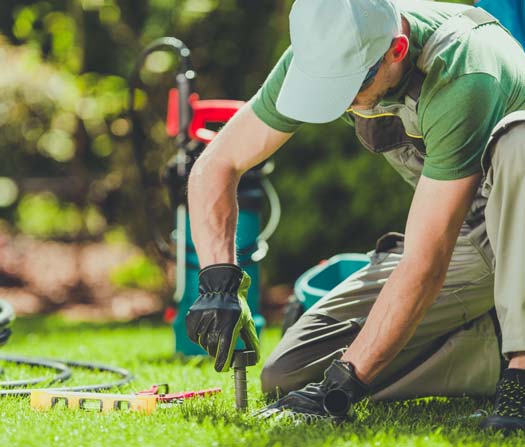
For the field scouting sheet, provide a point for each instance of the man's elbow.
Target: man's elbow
(198, 169)
(209, 169)
(429, 270)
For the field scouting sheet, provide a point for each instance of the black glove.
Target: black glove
(333, 397)
(221, 313)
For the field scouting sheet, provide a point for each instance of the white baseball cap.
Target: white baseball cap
(334, 43)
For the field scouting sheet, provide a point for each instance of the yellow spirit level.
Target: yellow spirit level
(44, 400)
(145, 401)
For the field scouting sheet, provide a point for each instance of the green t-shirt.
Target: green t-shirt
(469, 87)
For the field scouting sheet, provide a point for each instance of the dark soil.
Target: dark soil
(70, 278)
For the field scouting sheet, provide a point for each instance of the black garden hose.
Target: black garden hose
(63, 368)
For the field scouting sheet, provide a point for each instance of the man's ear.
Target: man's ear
(399, 48)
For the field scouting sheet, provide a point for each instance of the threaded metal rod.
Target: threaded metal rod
(242, 359)
(241, 388)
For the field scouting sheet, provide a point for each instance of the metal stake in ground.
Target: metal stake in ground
(242, 359)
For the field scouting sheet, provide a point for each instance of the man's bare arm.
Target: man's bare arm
(243, 143)
(435, 218)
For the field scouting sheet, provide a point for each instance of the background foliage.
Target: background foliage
(67, 170)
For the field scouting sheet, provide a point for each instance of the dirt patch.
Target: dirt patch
(73, 279)
(70, 278)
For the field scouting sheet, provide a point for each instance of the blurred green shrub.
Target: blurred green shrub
(43, 216)
(63, 125)
(139, 272)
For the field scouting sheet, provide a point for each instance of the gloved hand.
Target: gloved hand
(333, 397)
(221, 313)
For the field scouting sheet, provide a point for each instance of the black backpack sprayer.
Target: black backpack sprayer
(186, 124)
(187, 121)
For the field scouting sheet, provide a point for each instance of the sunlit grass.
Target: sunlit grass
(146, 349)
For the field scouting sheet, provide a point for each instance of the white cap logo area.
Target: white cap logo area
(334, 43)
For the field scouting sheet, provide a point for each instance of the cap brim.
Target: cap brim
(316, 100)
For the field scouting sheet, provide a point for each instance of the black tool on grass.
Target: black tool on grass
(7, 316)
(241, 360)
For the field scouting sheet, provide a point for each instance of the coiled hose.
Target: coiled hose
(63, 368)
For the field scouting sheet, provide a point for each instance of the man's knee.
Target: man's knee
(271, 377)
(282, 374)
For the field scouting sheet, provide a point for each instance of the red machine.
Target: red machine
(203, 112)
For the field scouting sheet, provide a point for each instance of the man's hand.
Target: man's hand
(221, 314)
(333, 397)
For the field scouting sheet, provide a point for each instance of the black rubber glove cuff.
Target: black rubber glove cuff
(344, 388)
(220, 278)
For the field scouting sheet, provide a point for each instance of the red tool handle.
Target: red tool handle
(203, 112)
(211, 111)
(162, 393)
(172, 118)
(189, 394)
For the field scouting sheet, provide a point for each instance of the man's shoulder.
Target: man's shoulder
(488, 57)
(431, 10)
(264, 102)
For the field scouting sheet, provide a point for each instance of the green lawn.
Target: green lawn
(146, 349)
